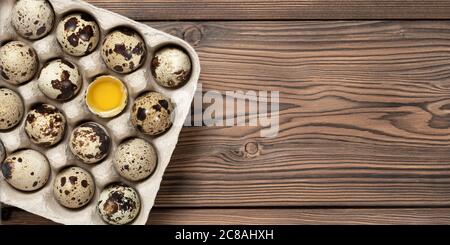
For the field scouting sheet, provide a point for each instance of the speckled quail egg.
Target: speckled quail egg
(90, 142)
(135, 159)
(11, 109)
(45, 125)
(118, 204)
(18, 62)
(2, 152)
(32, 19)
(26, 170)
(60, 80)
(78, 34)
(123, 50)
(151, 113)
(171, 67)
(73, 187)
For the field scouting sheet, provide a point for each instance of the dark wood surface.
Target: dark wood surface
(364, 119)
(252, 216)
(277, 9)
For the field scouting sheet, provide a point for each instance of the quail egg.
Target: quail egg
(26, 170)
(78, 34)
(18, 62)
(151, 113)
(60, 80)
(171, 67)
(11, 109)
(106, 96)
(90, 142)
(32, 19)
(73, 187)
(118, 204)
(135, 159)
(123, 50)
(45, 125)
(2, 152)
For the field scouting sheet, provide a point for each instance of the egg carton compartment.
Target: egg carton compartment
(42, 202)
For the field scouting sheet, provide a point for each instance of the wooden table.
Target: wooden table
(364, 112)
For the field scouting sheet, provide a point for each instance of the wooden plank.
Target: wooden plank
(188, 216)
(364, 118)
(277, 10)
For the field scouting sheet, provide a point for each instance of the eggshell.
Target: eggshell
(26, 170)
(11, 109)
(135, 159)
(171, 67)
(2, 152)
(18, 62)
(118, 204)
(60, 80)
(90, 142)
(123, 50)
(45, 125)
(151, 113)
(73, 187)
(78, 34)
(32, 19)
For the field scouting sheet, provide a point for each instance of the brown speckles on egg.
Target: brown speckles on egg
(70, 24)
(90, 142)
(141, 114)
(151, 113)
(41, 30)
(118, 204)
(11, 109)
(73, 40)
(7, 169)
(123, 48)
(84, 183)
(60, 80)
(17, 173)
(73, 193)
(45, 125)
(32, 19)
(18, 62)
(78, 34)
(118, 68)
(73, 179)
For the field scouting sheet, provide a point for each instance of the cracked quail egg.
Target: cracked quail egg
(123, 50)
(78, 34)
(18, 62)
(171, 67)
(2, 152)
(106, 96)
(45, 125)
(118, 204)
(32, 19)
(135, 159)
(151, 113)
(26, 170)
(60, 80)
(11, 110)
(90, 142)
(73, 187)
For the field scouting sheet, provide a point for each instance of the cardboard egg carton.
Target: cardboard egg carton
(42, 202)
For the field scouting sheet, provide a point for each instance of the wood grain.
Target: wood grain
(277, 10)
(364, 116)
(189, 216)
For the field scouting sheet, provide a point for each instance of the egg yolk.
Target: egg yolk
(105, 94)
